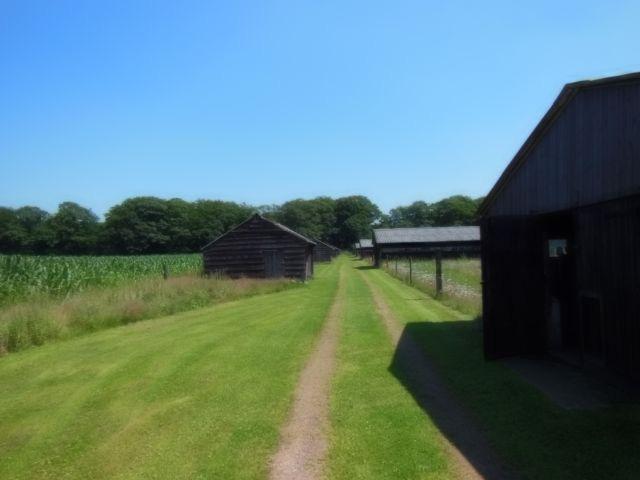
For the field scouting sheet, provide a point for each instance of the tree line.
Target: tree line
(142, 225)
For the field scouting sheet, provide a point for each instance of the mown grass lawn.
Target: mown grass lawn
(539, 439)
(204, 394)
(377, 430)
(195, 395)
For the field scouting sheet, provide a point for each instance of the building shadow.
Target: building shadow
(509, 412)
(419, 377)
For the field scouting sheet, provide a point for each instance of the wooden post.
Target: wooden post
(438, 273)
(410, 271)
(396, 266)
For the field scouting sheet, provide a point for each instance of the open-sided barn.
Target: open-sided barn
(425, 242)
(364, 248)
(260, 248)
(561, 233)
(324, 252)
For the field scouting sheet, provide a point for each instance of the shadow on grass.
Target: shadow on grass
(534, 436)
(366, 267)
(420, 377)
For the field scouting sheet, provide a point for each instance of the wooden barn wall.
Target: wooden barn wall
(241, 252)
(590, 154)
(427, 249)
(322, 252)
(512, 286)
(608, 267)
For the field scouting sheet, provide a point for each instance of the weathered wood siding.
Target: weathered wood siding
(608, 269)
(512, 286)
(323, 252)
(589, 154)
(242, 251)
(427, 250)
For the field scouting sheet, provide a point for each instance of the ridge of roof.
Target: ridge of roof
(258, 216)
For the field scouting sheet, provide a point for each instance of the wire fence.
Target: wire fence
(458, 284)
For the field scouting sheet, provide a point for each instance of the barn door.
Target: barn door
(273, 264)
(513, 286)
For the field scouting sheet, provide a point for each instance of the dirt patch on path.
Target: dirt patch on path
(466, 445)
(303, 440)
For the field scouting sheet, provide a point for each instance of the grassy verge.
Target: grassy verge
(41, 321)
(377, 429)
(195, 395)
(462, 289)
(538, 438)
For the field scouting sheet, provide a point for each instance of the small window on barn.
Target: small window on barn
(557, 247)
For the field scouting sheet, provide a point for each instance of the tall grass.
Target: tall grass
(24, 276)
(37, 322)
(462, 277)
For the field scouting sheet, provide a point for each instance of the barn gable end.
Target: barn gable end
(260, 248)
(560, 232)
(585, 149)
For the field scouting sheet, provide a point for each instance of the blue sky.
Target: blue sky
(264, 101)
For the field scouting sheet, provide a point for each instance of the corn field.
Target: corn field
(24, 276)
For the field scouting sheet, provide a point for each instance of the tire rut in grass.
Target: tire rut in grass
(303, 439)
(467, 447)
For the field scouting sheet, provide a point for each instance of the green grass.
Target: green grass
(203, 394)
(26, 276)
(462, 277)
(378, 431)
(196, 395)
(535, 436)
(45, 319)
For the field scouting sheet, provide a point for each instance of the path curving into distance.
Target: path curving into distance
(303, 439)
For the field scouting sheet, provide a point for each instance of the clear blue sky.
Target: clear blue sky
(264, 101)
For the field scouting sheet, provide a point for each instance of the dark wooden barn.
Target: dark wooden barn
(364, 248)
(561, 234)
(260, 248)
(324, 252)
(425, 242)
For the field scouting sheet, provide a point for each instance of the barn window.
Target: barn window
(557, 247)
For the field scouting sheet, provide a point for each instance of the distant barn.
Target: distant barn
(425, 242)
(260, 248)
(561, 234)
(364, 248)
(324, 252)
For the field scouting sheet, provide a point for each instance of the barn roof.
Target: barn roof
(427, 235)
(567, 94)
(254, 216)
(328, 245)
(365, 243)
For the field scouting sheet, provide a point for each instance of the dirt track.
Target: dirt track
(303, 442)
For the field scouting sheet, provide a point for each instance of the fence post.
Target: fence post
(396, 266)
(438, 273)
(165, 271)
(410, 271)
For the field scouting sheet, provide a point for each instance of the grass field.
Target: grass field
(196, 395)
(462, 277)
(45, 319)
(203, 394)
(540, 439)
